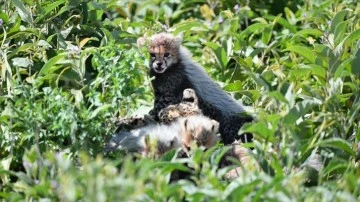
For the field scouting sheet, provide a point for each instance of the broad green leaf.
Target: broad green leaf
(345, 65)
(305, 52)
(318, 70)
(278, 96)
(299, 110)
(48, 9)
(338, 18)
(244, 63)
(306, 32)
(4, 17)
(339, 33)
(108, 37)
(49, 65)
(252, 29)
(22, 11)
(290, 16)
(266, 35)
(254, 95)
(337, 143)
(185, 26)
(98, 110)
(260, 129)
(233, 87)
(352, 37)
(355, 66)
(282, 21)
(219, 52)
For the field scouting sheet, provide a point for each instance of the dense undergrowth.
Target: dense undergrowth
(69, 67)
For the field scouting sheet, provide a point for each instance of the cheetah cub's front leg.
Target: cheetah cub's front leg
(133, 122)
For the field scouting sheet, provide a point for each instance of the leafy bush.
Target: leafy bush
(68, 68)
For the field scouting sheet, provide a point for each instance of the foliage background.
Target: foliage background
(69, 67)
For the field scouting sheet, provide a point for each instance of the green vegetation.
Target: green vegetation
(68, 68)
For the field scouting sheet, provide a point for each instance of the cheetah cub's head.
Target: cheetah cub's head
(163, 49)
(200, 130)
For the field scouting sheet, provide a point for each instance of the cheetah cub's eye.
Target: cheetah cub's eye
(166, 55)
(152, 55)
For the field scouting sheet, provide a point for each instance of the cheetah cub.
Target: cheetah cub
(156, 139)
(198, 130)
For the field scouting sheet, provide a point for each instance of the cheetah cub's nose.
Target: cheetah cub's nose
(159, 64)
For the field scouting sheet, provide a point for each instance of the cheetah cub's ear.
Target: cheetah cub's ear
(178, 40)
(186, 137)
(141, 41)
(215, 127)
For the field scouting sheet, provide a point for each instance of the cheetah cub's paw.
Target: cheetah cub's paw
(134, 122)
(187, 107)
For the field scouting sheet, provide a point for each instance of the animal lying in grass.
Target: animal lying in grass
(179, 133)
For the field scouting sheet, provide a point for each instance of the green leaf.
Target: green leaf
(278, 96)
(352, 37)
(23, 12)
(290, 16)
(282, 21)
(186, 25)
(337, 143)
(219, 52)
(4, 17)
(305, 52)
(254, 28)
(299, 110)
(233, 87)
(266, 35)
(98, 110)
(260, 129)
(254, 95)
(338, 18)
(50, 65)
(48, 9)
(306, 32)
(343, 67)
(340, 30)
(260, 80)
(355, 66)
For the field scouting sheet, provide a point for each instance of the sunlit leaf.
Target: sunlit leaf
(22, 62)
(305, 52)
(23, 11)
(338, 18)
(233, 87)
